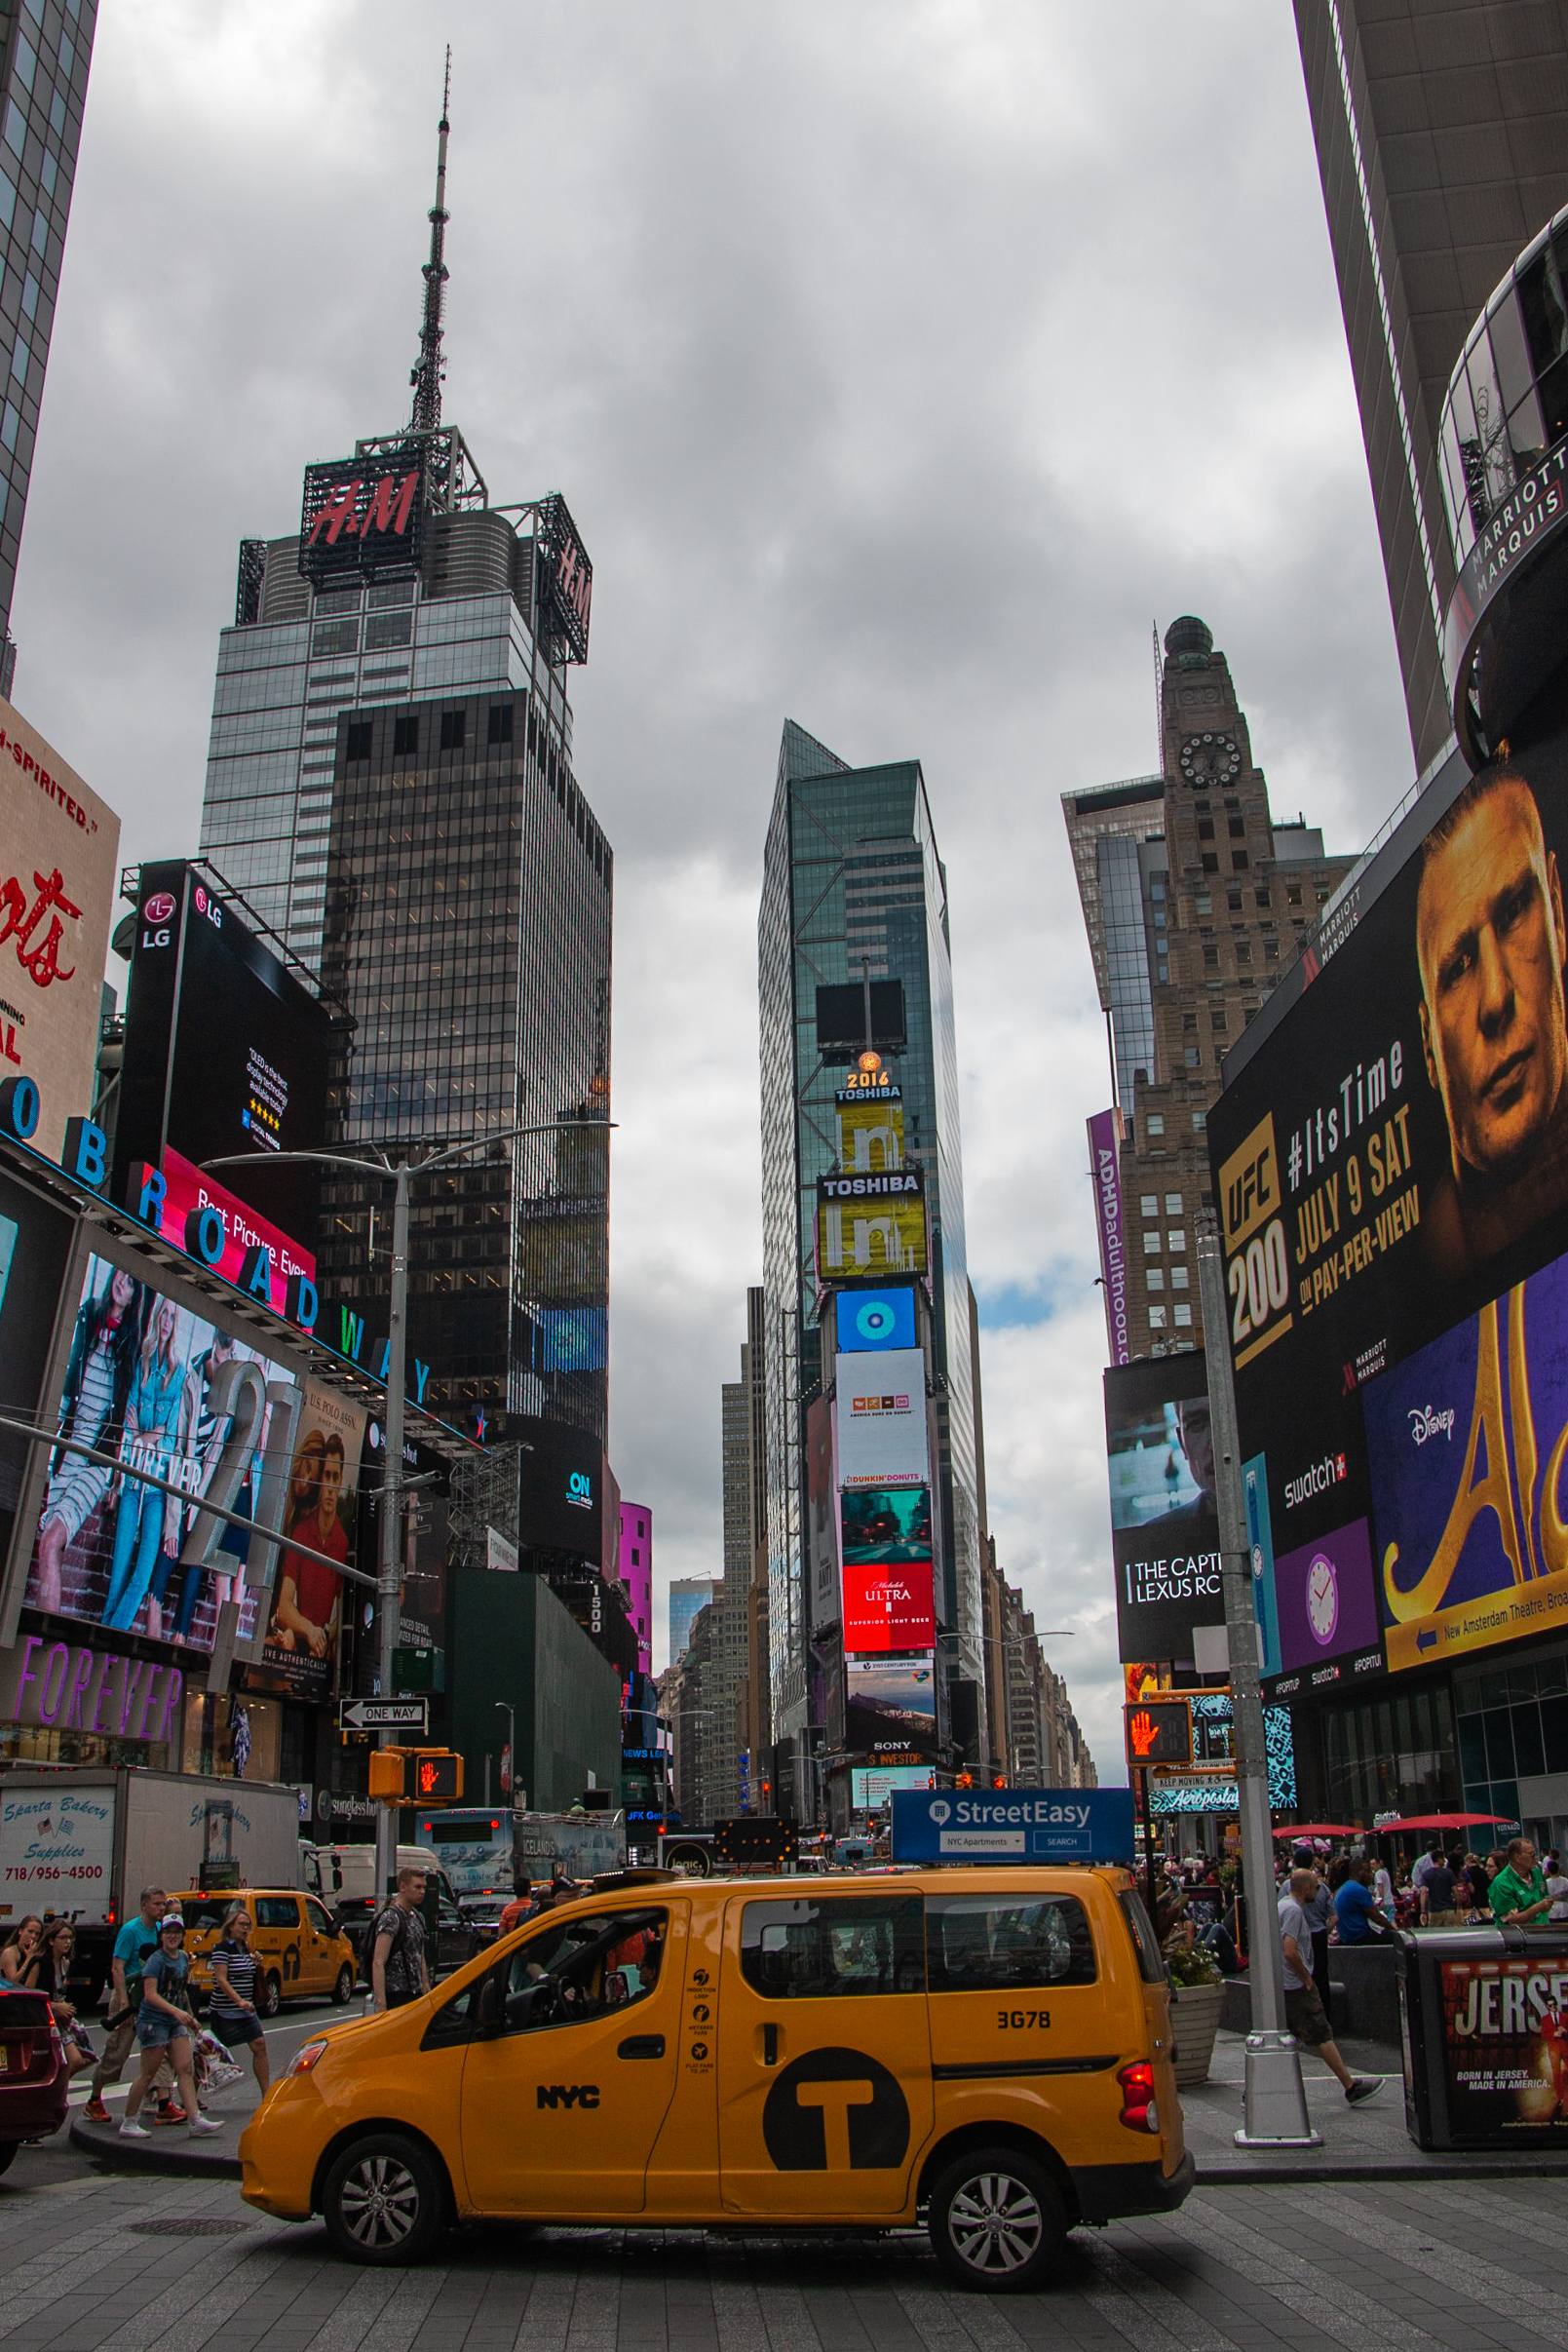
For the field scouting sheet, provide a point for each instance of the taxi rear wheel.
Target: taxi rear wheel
(269, 1993)
(383, 2201)
(343, 1989)
(997, 2220)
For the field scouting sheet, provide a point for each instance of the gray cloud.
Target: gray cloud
(900, 362)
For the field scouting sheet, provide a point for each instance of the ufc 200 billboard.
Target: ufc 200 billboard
(1390, 1165)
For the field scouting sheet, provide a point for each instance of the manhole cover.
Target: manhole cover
(186, 2227)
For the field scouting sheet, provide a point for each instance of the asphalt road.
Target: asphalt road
(98, 2261)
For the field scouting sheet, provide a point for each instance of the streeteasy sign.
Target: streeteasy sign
(1013, 1824)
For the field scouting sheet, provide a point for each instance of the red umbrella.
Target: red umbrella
(1445, 1821)
(1319, 1829)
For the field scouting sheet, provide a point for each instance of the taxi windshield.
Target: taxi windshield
(202, 1912)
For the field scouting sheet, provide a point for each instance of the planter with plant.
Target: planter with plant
(1197, 1993)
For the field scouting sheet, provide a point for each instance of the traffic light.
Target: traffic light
(999, 1780)
(965, 1780)
(1158, 1731)
(386, 1773)
(437, 1776)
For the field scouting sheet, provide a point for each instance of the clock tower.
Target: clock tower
(1196, 899)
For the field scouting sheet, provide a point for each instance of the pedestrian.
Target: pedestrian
(1557, 1888)
(1383, 1890)
(133, 1945)
(1476, 1887)
(512, 1913)
(398, 1972)
(48, 1971)
(163, 2030)
(1320, 1918)
(19, 1947)
(232, 2009)
(1439, 1893)
(1305, 2015)
(1432, 1860)
(1518, 1892)
(1356, 1912)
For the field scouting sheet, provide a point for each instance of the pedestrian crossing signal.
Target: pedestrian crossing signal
(437, 1776)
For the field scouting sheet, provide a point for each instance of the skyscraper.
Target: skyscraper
(855, 899)
(1442, 143)
(1195, 899)
(389, 782)
(48, 49)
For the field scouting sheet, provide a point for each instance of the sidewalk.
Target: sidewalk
(1366, 2143)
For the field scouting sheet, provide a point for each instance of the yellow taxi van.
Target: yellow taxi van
(989, 2051)
(299, 1953)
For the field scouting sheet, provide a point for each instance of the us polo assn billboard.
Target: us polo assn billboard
(1392, 1173)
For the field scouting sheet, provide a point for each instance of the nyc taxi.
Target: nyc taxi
(299, 1953)
(990, 2051)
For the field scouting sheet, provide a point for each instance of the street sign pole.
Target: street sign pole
(391, 1503)
(1276, 2110)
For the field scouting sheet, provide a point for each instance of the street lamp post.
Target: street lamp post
(1275, 2111)
(502, 1706)
(376, 1161)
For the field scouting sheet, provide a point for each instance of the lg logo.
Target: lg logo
(158, 913)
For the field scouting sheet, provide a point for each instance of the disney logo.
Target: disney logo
(1424, 1423)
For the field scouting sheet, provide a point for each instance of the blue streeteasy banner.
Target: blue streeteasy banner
(1013, 1824)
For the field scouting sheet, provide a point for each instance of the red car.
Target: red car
(33, 2072)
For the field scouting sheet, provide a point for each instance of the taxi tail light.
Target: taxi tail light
(307, 2056)
(1139, 2112)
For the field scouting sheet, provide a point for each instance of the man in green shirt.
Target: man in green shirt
(1519, 1890)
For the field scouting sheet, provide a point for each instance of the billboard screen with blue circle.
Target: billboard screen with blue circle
(875, 1319)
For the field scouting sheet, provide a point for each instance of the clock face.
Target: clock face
(1322, 1598)
(1207, 760)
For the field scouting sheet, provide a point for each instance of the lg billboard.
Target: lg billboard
(1391, 1175)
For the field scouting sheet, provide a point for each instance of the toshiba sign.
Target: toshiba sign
(362, 516)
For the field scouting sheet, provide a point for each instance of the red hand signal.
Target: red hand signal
(1142, 1732)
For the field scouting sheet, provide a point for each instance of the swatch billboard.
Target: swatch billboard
(1390, 1171)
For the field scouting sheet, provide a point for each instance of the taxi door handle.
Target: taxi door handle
(770, 2045)
(642, 2045)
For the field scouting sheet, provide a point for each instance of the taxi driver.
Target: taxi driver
(1491, 941)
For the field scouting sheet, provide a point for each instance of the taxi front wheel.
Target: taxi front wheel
(997, 2220)
(384, 2201)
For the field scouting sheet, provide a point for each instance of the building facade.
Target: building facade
(1443, 146)
(389, 784)
(47, 53)
(1195, 897)
(854, 893)
(1035, 1739)
(636, 1576)
(687, 1596)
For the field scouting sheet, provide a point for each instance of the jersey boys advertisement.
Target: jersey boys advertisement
(1164, 1531)
(1391, 1176)
(1505, 2046)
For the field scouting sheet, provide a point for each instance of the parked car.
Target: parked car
(301, 1955)
(33, 2072)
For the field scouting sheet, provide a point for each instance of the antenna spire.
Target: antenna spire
(426, 377)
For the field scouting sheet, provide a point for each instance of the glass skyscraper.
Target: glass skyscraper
(388, 783)
(853, 890)
(47, 48)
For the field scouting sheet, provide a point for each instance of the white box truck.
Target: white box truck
(81, 1843)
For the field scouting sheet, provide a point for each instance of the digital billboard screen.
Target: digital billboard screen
(890, 1703)
(561, 1505)
(35, 1251)
(106, 1547)
(225, 1052)
(882, 1438)
(869, 1227)
(889, 1598)
(875, 1319)
(1391, 1175)
(1165, 1524)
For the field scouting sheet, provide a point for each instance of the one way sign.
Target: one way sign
(383, 1715)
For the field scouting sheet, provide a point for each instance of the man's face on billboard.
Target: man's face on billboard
(331, 1488)
(1489, 941)
(1196, 1441)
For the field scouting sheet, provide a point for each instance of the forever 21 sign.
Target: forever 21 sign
(363, 515)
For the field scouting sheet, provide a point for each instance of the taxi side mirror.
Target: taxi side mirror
(490, 2019)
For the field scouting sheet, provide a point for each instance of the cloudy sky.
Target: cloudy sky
(901, 362)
